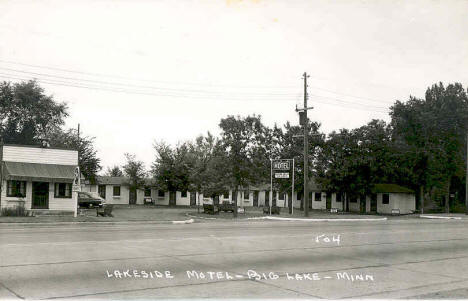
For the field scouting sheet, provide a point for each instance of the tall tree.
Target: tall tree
(435, 129)
(135, 171)
(171, 168)
(27, 114)
(88, 160)
(246, 150)
(114, 171)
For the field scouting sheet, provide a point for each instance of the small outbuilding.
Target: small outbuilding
(394, 199)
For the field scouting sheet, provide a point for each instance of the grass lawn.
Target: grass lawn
(121, 213)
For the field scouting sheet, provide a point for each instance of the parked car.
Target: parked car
(227, 206)
(89, 200)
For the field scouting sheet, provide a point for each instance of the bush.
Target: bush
(14, 211)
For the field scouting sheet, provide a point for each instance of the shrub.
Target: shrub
(14, 211)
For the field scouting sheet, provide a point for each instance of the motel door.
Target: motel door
(193, 198)
(267, 198)
(373, 203)
(40, 195)
(255, 199)
(132, 196)
(329, 200)
(362, 202)
(172, 198)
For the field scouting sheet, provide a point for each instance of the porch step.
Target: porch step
(46, 212)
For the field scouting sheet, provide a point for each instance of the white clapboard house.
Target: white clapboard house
(38, 178)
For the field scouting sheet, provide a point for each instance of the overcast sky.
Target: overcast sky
(135, 72)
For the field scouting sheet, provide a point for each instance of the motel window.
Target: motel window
(281, 196)
(363, 198)
(102, 191)
(246, 195)
(338, 197)
(318, 196)
(226, 195)
(310, 197)
(299, 196)
(147, 191)
(116, 191)
(63, 190)
(16, 189)
(385, 198)
(184, 194)
(161, 193)
(353, 199)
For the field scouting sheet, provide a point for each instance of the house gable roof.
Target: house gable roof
(106, 180)
(390, 188)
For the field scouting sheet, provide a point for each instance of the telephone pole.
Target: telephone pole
(306, 149)
(466, 179)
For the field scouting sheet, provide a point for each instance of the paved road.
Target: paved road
(402, 258)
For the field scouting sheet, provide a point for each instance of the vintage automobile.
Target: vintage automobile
(90, 200)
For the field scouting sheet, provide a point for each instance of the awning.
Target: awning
(39, 172)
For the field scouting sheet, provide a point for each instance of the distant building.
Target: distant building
(38, 178)
(392, 198)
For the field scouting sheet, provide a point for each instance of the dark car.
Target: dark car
(89, 200)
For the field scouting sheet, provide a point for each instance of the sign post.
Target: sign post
(282, 167)
(76, 187)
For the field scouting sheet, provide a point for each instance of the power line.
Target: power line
(184, 96)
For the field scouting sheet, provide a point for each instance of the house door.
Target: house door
(172, 198)
(363, 204)
(373, 203)
(40, 195)
(193, 198)
(132, 196)
(216, 199)
(267, 198)
(255, 199)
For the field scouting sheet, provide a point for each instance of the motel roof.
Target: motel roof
(390, 188)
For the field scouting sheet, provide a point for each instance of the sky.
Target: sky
(137, 72)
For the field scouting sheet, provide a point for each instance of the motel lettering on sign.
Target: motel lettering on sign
(281, 165)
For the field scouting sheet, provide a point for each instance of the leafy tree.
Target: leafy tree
(88, 160)
(171, 168)
(27, 114)
(206, 157)
(135, 171)
(434, 129)
(247, 156)
(114, 171)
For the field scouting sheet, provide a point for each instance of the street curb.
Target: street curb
(190, 221)
(439, 217)
(200, 217)
(321, 219)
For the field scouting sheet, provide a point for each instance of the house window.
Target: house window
(385, 198)
(226, 195)
(116, 191)
(318, 196)
(102, 191)
(338, 197)
(184, 194)
(161, 193)
(63, 190)
(16, 189)
(246, 195)
(147, 192)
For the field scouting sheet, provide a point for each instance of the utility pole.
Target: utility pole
(306, 150)
(466, 179)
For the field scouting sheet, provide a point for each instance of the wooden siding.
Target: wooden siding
(39, 155)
